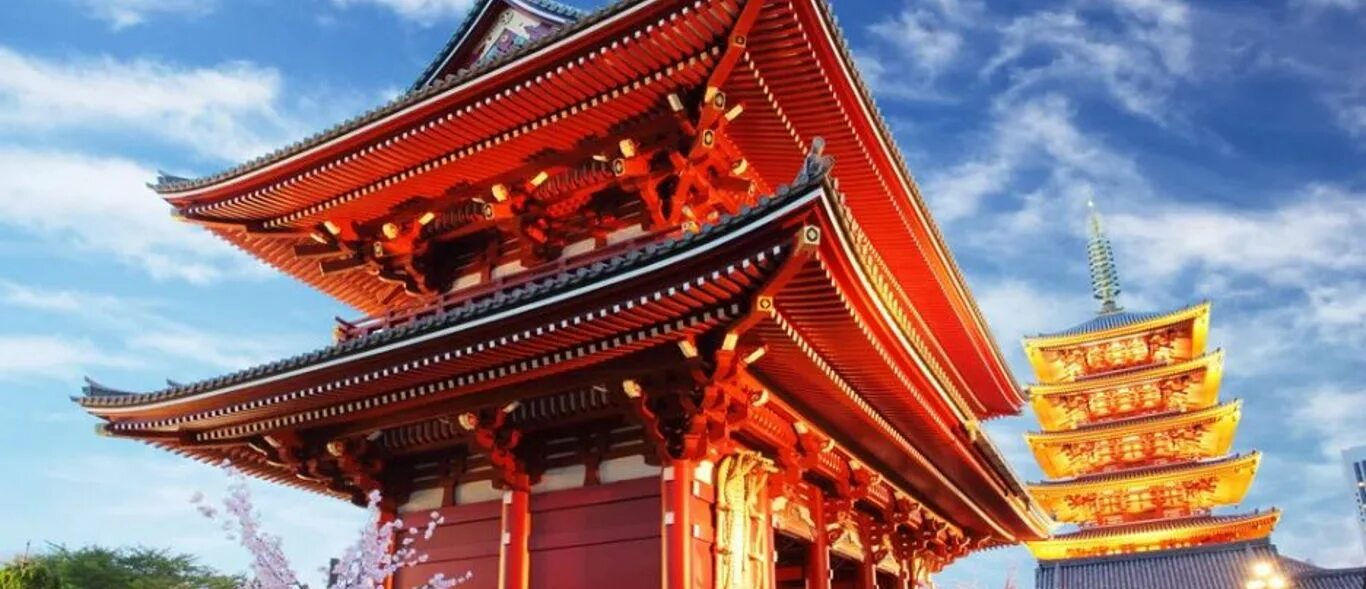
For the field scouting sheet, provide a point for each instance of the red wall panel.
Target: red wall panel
(594, 537)
(466, 543)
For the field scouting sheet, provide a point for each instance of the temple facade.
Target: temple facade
(631, 314)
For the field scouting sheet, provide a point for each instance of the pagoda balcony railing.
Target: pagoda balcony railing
(347, 330)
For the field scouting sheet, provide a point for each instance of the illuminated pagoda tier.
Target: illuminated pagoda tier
(627, 326)
(1134, 438)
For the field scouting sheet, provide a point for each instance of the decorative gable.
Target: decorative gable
(496, 28)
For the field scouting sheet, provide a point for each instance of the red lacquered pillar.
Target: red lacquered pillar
(818, 552)
(676, 483)
(515, 554)
(867, 571)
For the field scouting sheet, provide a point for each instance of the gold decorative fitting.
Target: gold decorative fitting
(468, 421)
(331, 227)
(765, 303)
(688, 348)
(540, 178)
(426, 218)
(390, 230)
(631, 388)
(628, 147)
(719, 100)
(811, 235)
(500, 192)
(755, 355)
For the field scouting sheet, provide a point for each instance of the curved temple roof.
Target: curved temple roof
(1120, 321)
(791, 94)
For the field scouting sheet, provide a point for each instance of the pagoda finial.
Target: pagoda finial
(1104, 277)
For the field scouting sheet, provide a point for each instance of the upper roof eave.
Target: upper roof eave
(172, 187)
(1116, 324)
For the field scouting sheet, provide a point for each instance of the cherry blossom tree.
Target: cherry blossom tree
(366, 564)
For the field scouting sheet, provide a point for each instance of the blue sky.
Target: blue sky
(1225, 142)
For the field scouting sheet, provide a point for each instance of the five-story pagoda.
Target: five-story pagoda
(1134, 439)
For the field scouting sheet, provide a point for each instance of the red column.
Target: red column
(867, 569)
(514, 556)
(818, 553)
(676, 532)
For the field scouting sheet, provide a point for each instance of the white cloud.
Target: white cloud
(1345, 96)
(1314, 232)
(46, 356)
(141, 330)
(1016, 308)
(425, 12)
(230, 111)
(1035, 134)
(927, 33)
(100, 206)
(1137, 61)
(1319, 5)
(121, 14)
(1332, 416)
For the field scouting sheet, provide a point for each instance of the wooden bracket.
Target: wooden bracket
(491, 434)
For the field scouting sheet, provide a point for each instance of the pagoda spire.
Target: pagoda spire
(1104, 277)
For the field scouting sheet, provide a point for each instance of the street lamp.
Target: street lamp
(1265, 576)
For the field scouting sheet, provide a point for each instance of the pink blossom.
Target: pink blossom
(366, 564)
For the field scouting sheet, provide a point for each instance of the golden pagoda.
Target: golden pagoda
(1134, 438)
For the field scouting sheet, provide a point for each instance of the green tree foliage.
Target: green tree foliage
(95, 567)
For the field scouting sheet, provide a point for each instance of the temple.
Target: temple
(631, 316)
(1134, 438)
